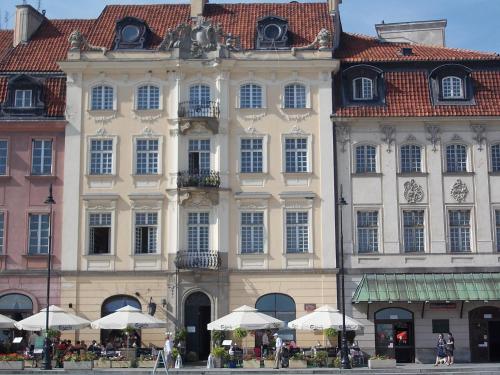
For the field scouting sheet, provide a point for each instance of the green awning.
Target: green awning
(440, 287)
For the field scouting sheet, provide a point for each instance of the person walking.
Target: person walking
(450, 347)
(279, 347)
(265, 343)
(440, 350)
(167, 349)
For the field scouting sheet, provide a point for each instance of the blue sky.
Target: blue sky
(472, 24)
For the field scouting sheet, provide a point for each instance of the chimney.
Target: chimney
(431, 33)
(333, 5)
(197, 7)
(28, 20)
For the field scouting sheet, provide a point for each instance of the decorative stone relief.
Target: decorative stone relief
(296, 130)
(77, 42)
(297, 117)
(480, 138)
(413, 192)
(148, 132)
(321, 42)
(388, 138)
(411, 138)
(255, 117)
(456, 138)
(199, 198)
(434, 138)
(343, 136)
(459, 191)
(102, 119)
(149, 118)
(101, 132)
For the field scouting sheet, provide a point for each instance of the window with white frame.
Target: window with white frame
(23, 98)
(250, 96)
(100, 233)
(2, 232)
(102, 98)
(297, 232)
(199, 156)
(497, 225)
(362, 88)
(367, 228)
(495, 157)
(366, 159)
(148, 97)
(252, 232)
(251, 155)
(198, 228)
(452, 87)
(456, 158)
(413, 231)
(296, 158)
(4, 154)
(101, 157)
(146, 232)
(411, 158)
(147, 153)
(199, 95)
(41, 157)
(459, 223)
(295, 96)
(39, 227)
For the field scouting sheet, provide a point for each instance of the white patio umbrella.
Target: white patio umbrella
(245, 317)
(58, 319)
(128, 317)
(322, 318)
(6, 322)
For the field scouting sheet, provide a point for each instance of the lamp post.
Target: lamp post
(344, 355)
(47, 363)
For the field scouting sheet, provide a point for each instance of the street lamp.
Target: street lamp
(344, 355)
(47, 363)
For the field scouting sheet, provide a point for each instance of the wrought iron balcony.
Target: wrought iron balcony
(203, 179)
(209, 109)
(187, 260)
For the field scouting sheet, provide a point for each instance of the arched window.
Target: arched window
(393, 313)
(109, 306)
(456, 158)
(411, 158)
(280, 306)
(366, 159)
(295, 96)
(495, 158)
(362, 88)
(250, 96)
(18, 307)
(102, 98)
(452, 87)
(148, 97)
(199, 95)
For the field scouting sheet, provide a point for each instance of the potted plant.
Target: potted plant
(381, 362)
(75, 361)
(249, 361)
(239, 334)
(269, 361)
(220, 355)
(119, 362)
(146, 361)
(298, 360)
(321, 359)
(218, 337)
(12, 361)
(331, 335)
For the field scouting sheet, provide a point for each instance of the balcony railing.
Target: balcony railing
(209, 260)
(206, 178)
(207, 109)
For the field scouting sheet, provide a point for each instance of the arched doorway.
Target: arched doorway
(484, 334)
(18, 307)
(197, 314)
(395, 334)
(116, 336)
(279, 306)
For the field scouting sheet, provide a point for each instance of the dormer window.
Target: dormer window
(452, 88)
(451, 84)
(23, 99)
(131, 33)
(362, 88)
(272, 33)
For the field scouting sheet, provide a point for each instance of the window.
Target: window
(199, 156)
(362, 88)
(413, 231)
(459, 230)
(495, 158)
(148, 97)
(366, 159)
(497, 222)
(4, 151)
(456, 158)
(251, 155)
(250, 96)
(41, 159)
(440, 325)
(279, 306)
(146, 156)
(411, 158)
(100, 233)
(146, 233)
(295, 96)
(452, 88)
(101, 156)
(198, 227)
(102, 98)
(2, 232)
(297, 232)
(38, 234)
(199, 95)
(252, 232)
(296, 155)
(367, 226)
(23, 99)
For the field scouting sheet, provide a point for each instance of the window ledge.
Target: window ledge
(459, 173)
(412, 174)
(255, 174)
(40, 177)
(100, 176)
(374, 254)
(101, 112)
(309, 254)
(99, 256)
(253, 255)
(147, 255)
(366, 174)
(156, 111)
(494, 173)
(6, 177)
(35, 256)
(147, 176)
(296, 174)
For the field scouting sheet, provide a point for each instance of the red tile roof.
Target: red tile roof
(360, 48)
(5, 41)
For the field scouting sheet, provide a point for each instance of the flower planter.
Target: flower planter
(148, 364)
(251, 363)
(12, 365)
(381, 363)
(269, 363)
(120, 364)
(297, 363)
(102, 363)
(82, 365)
